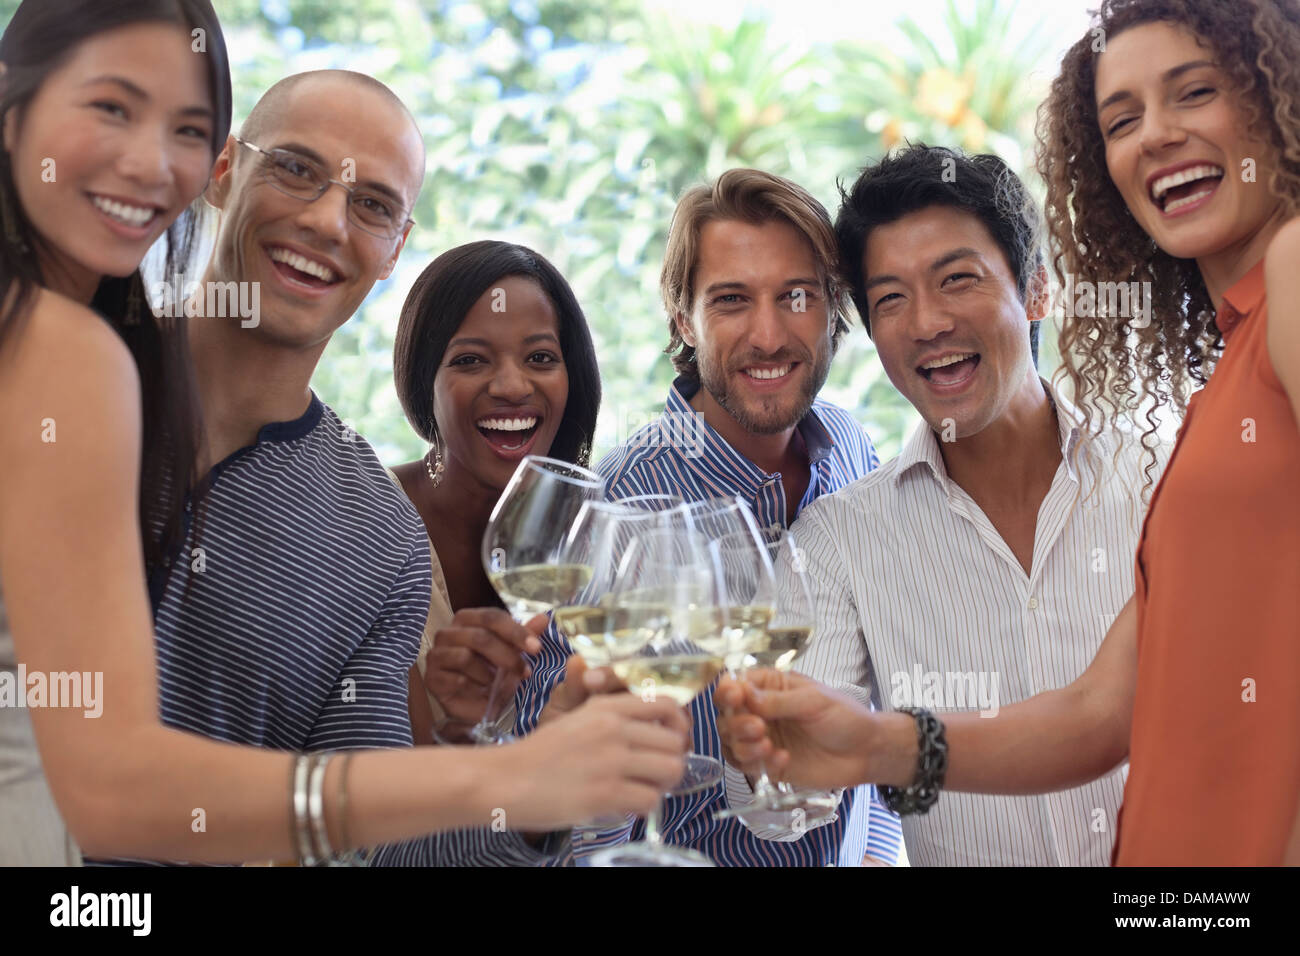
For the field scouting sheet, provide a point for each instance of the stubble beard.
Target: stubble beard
(766, 417)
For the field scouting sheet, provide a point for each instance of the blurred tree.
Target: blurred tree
(572, 125)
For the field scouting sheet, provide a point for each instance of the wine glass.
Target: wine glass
(788, 634)
(608, 620)
(523, 549)
(716, 517)
(667, 575)
(748, 591)
(597, 626)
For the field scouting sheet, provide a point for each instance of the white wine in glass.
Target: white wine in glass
(602, 632)
(780, 647)
(533, 589)
(679, 677)
(524, 552)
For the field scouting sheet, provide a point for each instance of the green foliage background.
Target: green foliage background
(571, 126)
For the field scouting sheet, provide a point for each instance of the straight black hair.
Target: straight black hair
(437, 305)
(40, 37)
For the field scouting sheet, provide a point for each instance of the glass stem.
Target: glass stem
(652, 834)
(486, 729)
(763, 786)
(490, 715)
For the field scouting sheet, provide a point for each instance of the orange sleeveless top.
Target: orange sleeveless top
(1214, 754)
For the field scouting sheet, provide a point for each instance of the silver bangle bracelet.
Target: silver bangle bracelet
(316, 809)
(298, 805)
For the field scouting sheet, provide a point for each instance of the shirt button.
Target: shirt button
(1033, 604)
(775, 528)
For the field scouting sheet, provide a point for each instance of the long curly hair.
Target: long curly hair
(1112, 365)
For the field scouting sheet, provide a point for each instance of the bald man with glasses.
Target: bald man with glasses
(291, 615)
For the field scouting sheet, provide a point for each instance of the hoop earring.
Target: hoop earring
(435, 468)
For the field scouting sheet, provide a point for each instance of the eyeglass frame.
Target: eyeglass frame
(351, 190)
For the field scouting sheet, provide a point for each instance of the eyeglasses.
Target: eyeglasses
(295, 175)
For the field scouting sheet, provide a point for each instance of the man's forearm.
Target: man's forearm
(1054, 740)
(1049, 742)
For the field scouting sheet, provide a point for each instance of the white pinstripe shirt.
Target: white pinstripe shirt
(920, 601)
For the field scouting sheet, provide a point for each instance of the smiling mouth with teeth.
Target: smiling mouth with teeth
(767, 374)
(128, 215)
(949, 369)
(1185, 187)
(301, 269)
(509, 434)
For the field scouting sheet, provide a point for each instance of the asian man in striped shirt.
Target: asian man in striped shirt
(985, 563)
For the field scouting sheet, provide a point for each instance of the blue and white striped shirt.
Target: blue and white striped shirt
(308, 592)
(680, 454)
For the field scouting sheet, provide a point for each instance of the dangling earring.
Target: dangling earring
(435, 468)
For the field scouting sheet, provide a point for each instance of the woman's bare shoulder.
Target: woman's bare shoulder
(56, 328)
(61, 357)
(1284, 248)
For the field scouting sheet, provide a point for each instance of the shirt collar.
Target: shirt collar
(1241, 301)
(296, 428)
(922, 447)
(816, 436)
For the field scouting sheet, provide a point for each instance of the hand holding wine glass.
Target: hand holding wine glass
(788, 632)
(613, 755)
(812, 735)
(667, 578)
(468, 655)
(523, 547)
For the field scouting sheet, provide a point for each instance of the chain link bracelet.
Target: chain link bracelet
(931, 765)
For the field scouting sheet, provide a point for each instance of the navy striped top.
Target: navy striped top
(308, 592)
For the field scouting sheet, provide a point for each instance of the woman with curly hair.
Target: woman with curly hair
(1171, 147)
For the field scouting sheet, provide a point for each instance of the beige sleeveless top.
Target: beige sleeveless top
(440, 615)
(440, 612)
(31, 831)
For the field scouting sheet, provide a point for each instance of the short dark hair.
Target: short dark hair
(917, 177)
(437, 305)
